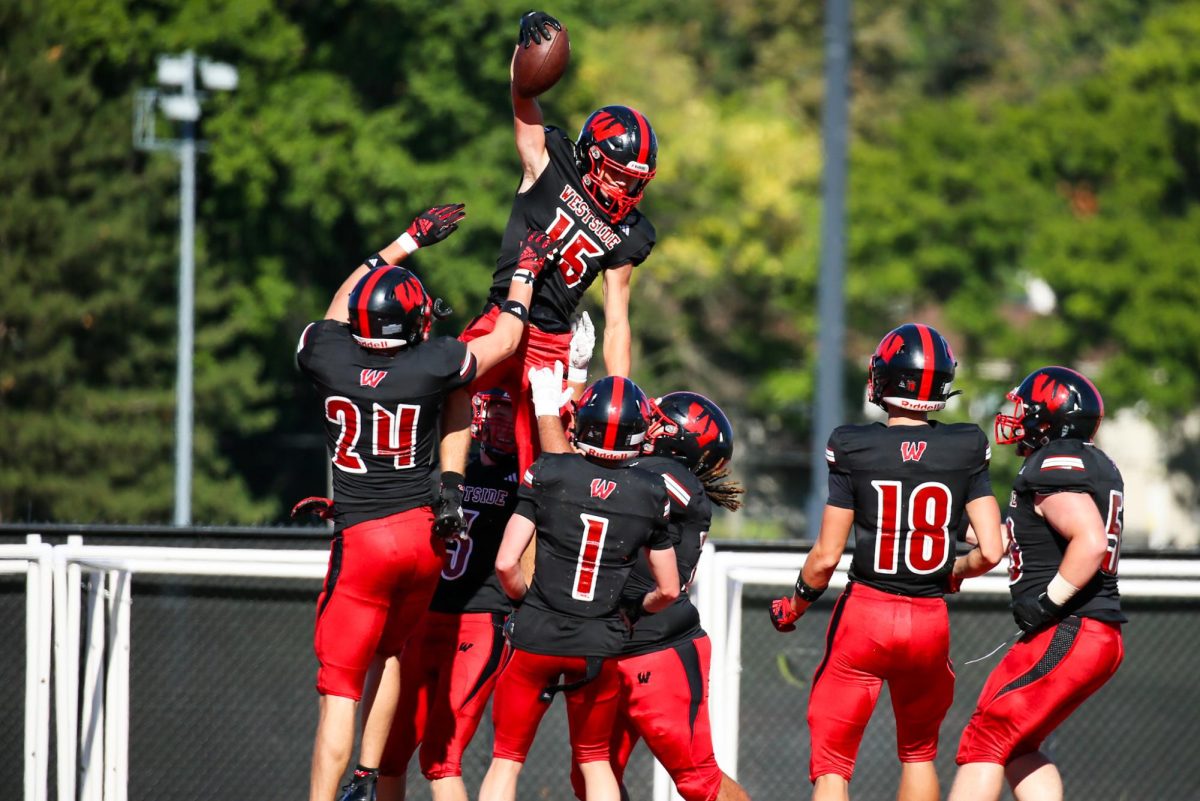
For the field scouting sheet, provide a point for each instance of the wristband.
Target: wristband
(375, 260)
(516, 308)
(806, 593)
(577, 375)
(1059, 591)
(406, 242)
(524, 275)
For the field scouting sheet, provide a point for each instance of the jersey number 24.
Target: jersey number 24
(393, 434)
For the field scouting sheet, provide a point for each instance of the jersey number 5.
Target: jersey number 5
(572, 251)
(926, 544)
(394, 434)
(1116, 505)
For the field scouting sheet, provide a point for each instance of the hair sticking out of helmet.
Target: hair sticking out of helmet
(389, 308)
(1050, 403)
(617, 154)
(912, 368)
(610, 420)
(492, 420)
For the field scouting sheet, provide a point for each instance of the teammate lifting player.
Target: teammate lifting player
(1064, 523)
(382, 386)
(903, 489)
(592, 512)
(584, 194)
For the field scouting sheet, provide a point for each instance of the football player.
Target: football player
(907, 490)
(1064, 524)
(382, 387)
(584, 194)
(592, 512)
(449, 665)
(663, 668)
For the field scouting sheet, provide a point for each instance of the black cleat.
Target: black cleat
(361, 787)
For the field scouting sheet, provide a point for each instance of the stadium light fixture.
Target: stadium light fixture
(182, 107)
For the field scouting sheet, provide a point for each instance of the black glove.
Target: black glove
(448, 513)
(432, 226)
(631, 611)
(1033, 615)
(315, 505)
(535, 26)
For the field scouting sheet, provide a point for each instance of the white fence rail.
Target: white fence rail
(92, 726)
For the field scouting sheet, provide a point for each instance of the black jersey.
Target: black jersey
(381, 416)
(592, 520)
(691, 515)
(558, 204)
(909, 486)
(1036, 549)
(469, 582)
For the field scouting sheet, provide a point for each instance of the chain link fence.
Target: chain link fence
(223, 701)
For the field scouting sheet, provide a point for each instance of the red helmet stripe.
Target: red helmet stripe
(364, 300)
(643, 136)
(930, 362)
(614, 414)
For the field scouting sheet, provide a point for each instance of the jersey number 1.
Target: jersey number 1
(927, 543)
(587, 566)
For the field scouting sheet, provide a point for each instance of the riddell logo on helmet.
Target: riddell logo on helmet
(606, 126)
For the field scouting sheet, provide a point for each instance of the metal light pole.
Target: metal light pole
(830, 290)
(184, 108)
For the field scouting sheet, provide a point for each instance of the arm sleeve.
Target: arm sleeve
(980, 485)
(456, 363)
(660, 535)
(1058, 470)
(841, 488)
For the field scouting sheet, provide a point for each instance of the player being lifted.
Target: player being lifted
(584, 194)
(592, 512)
(382, 386)
(663, 668)
(903, 488)
(1064, 523)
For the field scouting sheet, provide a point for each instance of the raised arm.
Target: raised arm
(427, 228)
(529, 128)
(617, 337)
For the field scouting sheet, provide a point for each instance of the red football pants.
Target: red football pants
(381, 576)
(664, 700)
(517, 709)
(874, 637)
(1039, 683)
(537, 349)
(447, 673)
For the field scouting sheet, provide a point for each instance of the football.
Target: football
(539, 66)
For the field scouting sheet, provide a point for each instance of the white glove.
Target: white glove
(583, 342)
(547, 391)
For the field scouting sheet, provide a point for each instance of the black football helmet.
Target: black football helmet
(616, 142)
(492, 423)
(610, 420)
(912, 369)
(1051, 403)
(389, 308)
(692, 429)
